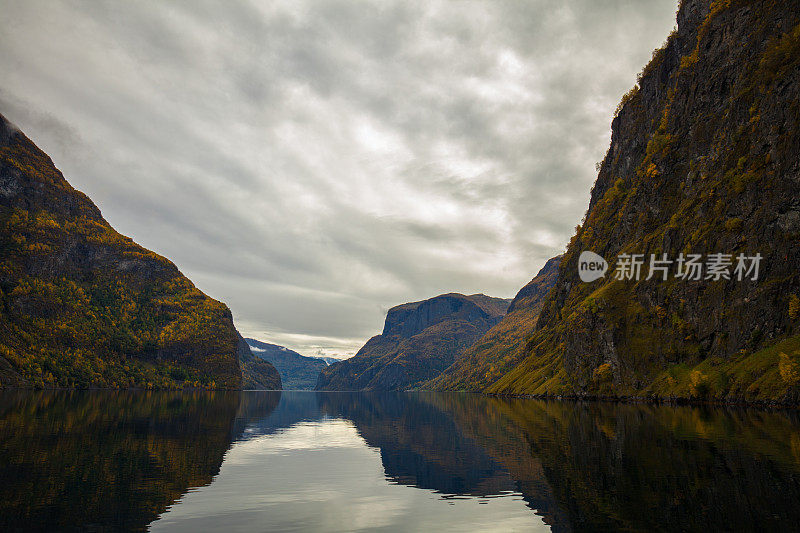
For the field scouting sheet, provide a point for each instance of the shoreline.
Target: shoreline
(656, 400)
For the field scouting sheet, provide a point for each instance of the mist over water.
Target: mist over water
(177, 461)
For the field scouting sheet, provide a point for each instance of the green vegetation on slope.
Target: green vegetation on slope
(703, 159)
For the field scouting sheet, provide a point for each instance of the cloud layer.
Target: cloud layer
(312, 164)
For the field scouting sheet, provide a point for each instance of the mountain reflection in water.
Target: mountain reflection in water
(274, 461)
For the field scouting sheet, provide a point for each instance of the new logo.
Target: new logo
(591, 266)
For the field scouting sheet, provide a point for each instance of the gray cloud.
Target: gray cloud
(314, 163)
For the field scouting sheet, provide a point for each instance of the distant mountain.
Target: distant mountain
(504, 344)
(258, 373)
(83, 306)
(419, 340)
(298, 372)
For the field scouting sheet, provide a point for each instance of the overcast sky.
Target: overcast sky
(312, 164)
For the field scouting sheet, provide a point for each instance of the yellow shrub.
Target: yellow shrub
(789, 366)
(794, 307)
(733, 225)
(689, 60)
(699, 383)
(602, 373)
(627, 97)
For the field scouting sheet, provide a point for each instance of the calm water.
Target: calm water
(305, 461)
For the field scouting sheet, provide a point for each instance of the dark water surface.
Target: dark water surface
(305, 461)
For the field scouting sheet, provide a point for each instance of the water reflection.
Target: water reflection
(344, 461)
(420, 446)
(652, 468)
(106, 460)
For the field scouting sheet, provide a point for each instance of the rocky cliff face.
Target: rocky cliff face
(83, 306)
(704, 159)
(298, 372)
(503, 345)
(419, 340)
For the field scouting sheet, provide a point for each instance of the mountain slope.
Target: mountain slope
(503, 345)
(419, 340)
(704, 159)
(298, 372)
(257, 373)
(83, 306)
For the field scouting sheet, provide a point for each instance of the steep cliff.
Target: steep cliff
(419, 340)
(704, 159)
(83, 306)
(298, 372)
(503, 345)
